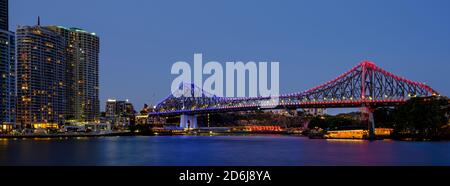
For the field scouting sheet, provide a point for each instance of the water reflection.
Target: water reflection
(346, 140)
(220, 150)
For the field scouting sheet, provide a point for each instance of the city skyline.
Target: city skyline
(232, 84)
(138, 72)
(49, 75)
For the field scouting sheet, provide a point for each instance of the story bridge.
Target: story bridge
(365, 85)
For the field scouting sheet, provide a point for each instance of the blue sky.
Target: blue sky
(314, 41)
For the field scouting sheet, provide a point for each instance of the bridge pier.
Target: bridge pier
(371, 126)
(371, 122)
(188, 121)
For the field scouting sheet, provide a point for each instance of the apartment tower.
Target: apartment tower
(82, 76)
(7, 71)
(41, 76)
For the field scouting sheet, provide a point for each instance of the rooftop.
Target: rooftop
(74, 29)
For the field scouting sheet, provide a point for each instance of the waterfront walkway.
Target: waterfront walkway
(64, 135)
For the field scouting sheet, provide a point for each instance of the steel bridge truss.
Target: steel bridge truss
(364, 85)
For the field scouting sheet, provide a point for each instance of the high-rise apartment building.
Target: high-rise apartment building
(7, 76)
(7, 71)
(82, 78)
(41, 76)
(63, 61)
(57, 74)
(4, 20)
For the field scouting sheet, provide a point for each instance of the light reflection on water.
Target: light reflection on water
(346, 140)
(220, 150)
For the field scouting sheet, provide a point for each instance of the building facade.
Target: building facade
(315, 111)
(4, 18)
(7, 71)
(41, 69)
(7, 77)
(120, 113)
(142, 117)
(82, 73)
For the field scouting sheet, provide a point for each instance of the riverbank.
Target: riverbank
(391, 137)
(204, 133)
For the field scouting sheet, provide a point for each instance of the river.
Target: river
(262, 150)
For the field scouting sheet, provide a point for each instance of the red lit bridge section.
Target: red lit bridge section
(365, 85)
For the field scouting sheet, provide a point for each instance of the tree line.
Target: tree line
(419, 118)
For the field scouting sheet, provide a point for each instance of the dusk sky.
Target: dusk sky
(314, 41)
